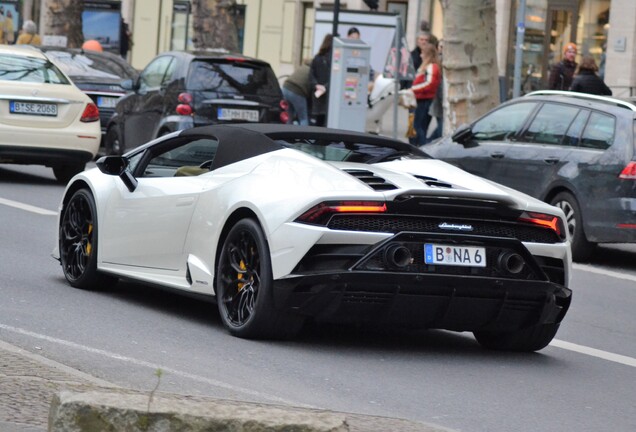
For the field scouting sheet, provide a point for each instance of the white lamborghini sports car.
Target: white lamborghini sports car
(288, 223)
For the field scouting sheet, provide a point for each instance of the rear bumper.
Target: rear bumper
(460, 303)
(373, 288)
(43, 156)
(50, 146)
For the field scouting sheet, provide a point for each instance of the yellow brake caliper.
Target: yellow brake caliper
(89, 246)
(240, 275)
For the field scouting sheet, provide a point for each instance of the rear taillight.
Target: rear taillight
(185, 104)
(284, 115)
(545, 220)
(90, 114)
(321, 213)
(629, 172)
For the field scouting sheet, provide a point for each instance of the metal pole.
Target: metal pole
(521, 30)
(336, 12)
(398, 61)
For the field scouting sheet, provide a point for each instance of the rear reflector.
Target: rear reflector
(629, 172)
(90, 114)
(284, 117)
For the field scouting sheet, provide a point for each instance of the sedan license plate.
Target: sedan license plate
(237, 114)
(33, 108)
(106, 102)
(468, 256)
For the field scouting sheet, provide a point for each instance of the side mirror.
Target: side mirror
(112, 165)
(129, 85)
(116, 166)
(464, 136)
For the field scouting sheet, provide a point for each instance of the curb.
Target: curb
(38, 394)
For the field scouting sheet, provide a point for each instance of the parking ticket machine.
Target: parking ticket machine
(350, 66)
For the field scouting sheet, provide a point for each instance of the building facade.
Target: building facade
(281, 32)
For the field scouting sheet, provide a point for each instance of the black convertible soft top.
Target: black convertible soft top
(240, 141)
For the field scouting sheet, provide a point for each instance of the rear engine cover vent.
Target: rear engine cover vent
(433, 182)
(375, 182)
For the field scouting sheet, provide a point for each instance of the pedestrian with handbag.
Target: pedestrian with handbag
(427, 80)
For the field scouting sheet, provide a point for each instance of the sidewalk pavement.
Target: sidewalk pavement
(28, 383)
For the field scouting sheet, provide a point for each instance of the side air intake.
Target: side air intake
(375, 182)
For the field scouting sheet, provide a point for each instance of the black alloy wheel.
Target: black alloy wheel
(78, 243)
(112, 143)
(244, 286)
(582, 249)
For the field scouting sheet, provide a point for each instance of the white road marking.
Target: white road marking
(616, 358)
(153, 366)
(600, 271)
(27, 207)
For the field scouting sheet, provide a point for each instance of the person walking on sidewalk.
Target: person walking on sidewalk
(319, 78)
(562, 73)
(297, 91)
(587, 81)
(425, 84)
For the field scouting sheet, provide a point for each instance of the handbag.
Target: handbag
(410, 130)
(407, 99)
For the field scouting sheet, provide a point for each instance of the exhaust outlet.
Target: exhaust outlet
(397, 255)
(511, 262)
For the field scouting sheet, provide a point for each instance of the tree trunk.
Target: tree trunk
(64, 18)
(470, 61)
(214, 25)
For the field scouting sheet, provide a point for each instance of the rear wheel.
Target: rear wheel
(78, 243)
(582, 249)
(244, 286)
(112, 142)
(64, 173)
(528, 339)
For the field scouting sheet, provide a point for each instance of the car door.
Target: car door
(492, 135)
(143, 109)
(540, 155)
(148, 227)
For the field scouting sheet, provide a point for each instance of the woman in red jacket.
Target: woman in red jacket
(425, 85)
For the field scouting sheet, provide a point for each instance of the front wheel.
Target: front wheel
(244, 286)
(112, 143)
(527, 339)
(78, 243)
(582, 249)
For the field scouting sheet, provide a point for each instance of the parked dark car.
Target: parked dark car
(181, 90)
(98, 74)
(572, 150)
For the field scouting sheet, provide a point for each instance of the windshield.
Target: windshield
(233, 78)
(30, 69)
(347, 151)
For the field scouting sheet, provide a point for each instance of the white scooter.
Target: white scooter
(380, 100)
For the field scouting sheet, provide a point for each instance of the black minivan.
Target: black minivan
(572, 150)
(180, 90)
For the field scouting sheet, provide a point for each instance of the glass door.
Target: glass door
(561, 23)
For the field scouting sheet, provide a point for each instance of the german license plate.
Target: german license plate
(237, 114)
(106, 102)
(33, 108)
(469, 256)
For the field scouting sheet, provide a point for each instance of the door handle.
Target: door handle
(551, 160)
(497, 155)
